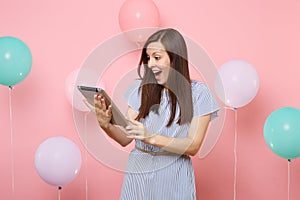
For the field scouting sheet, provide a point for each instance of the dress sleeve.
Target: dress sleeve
(133, 96)
(203, 101)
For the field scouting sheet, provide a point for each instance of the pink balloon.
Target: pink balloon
(237, 83)
(57, 161)
(139, 15)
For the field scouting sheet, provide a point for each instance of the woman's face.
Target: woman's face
(158, 61)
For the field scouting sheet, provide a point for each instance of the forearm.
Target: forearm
(117, 133)
(189, 145)
(175, 145)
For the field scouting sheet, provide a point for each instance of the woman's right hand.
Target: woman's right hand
(103, 113)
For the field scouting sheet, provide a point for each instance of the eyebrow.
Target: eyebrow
(156, 51)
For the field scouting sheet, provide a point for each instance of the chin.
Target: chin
(161, 83)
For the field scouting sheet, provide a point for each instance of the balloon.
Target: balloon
(237, 83)
(57, 161)
(282, 132)
(139, 15)
(15, 61)
(73, 95)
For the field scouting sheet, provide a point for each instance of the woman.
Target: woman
(169, 115)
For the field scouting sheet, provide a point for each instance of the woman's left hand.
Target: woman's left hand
(136, 130)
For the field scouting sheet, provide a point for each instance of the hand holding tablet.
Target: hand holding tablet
(89, 92)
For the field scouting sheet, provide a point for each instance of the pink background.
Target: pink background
(61, 34)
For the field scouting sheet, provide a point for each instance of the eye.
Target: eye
(157, 57)
(147, 57)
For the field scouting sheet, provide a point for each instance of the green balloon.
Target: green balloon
(15, 61)
(282, 132)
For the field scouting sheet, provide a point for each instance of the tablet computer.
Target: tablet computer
(89, 92)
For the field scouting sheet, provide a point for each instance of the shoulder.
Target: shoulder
(199, 87)
(136, 83)
(200, 91)
(203, 100)
(133, 96)
(133, 88)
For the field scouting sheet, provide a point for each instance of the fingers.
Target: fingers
(134, 122)
(109, 111)
(135, 131)
(136, 137)
(99, 102)
(132, 130)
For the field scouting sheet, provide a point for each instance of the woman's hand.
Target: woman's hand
(103, 112)
(136, 130)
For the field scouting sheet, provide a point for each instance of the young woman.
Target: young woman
(169, 115)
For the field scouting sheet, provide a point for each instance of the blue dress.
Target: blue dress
(160, 177)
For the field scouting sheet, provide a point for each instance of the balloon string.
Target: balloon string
(59, 191)
(289, 179)
(11, 141)
(86, 156)
(230, 108)
(234, 151)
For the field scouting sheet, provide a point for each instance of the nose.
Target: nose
(151, 63)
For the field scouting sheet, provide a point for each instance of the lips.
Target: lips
(157, 73)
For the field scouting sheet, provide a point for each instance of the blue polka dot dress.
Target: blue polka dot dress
(159, 177)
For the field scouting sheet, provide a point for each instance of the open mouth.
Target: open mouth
(156, 73)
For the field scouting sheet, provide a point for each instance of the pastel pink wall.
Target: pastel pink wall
(61, 34)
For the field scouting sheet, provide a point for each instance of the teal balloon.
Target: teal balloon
(282, 132)
(15, 61)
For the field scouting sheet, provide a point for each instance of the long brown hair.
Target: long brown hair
(178, 83)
